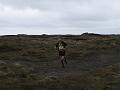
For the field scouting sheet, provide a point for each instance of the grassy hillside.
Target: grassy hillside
(31, 63)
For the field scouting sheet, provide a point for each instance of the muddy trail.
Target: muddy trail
(90, 63)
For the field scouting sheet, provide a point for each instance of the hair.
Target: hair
(59, 39)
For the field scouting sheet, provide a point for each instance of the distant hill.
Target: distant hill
(91, 34)
(86, 34)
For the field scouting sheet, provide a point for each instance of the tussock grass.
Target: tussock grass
(23, 59)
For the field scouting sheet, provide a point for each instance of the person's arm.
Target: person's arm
(65, 44)
(57, 46)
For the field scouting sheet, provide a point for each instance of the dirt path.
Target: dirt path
(78, 66)
(74, 66)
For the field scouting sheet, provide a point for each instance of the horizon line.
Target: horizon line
(60, 34)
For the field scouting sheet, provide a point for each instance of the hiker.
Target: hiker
(60, 46)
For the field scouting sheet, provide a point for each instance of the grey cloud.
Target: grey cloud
(60, 16)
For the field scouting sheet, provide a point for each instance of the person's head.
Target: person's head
(59, 40)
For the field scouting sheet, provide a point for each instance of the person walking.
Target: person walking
(61, 47)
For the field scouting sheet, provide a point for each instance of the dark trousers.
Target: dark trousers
(62, 57)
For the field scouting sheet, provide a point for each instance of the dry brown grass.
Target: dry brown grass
(19, 56)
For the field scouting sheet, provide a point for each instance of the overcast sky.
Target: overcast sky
(59, 16)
